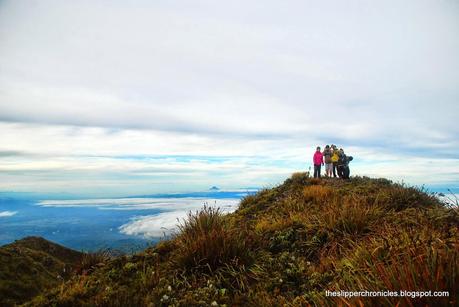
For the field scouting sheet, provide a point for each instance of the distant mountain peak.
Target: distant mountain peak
(214, 188)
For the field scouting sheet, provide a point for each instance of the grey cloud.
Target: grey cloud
(300, 54)
(379, 75)
(10, 153)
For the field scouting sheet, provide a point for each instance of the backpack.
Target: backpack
(327, 155)
(335, 156)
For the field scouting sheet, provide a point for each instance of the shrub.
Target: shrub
(400, 197)
(299, 178)
(296, 182)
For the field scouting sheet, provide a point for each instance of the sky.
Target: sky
(115, 98)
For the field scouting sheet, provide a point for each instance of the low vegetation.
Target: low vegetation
(286, 246)
(32, 265)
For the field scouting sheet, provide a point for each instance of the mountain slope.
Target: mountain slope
(287, 246)
(31, 265)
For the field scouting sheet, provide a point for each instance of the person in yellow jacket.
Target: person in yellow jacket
(334, 159)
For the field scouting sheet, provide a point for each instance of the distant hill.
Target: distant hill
(286, 246)
(31, 265)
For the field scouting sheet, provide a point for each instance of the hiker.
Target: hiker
(328, 162)
(318, 160)
(334, 159)
(343, 165)
(347, 171)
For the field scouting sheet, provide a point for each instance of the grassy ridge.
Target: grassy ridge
(31, 265)
(286, 246)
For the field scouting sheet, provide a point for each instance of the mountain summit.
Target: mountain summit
(289, 245)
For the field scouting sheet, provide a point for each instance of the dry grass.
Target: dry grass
(319, 194)
(403, 261)
(350, 215)
(90, 261)
(206, 241)
(272, 224)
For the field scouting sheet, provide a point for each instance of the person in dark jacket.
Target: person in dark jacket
(343, 165)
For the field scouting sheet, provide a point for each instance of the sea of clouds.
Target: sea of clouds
(171, 211)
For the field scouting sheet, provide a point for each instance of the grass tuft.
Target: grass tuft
(90, 261)
(207, 242)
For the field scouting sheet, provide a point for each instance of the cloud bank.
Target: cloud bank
(172, 211)
(165, 223)
(151, 226)
(7, 213)
(163, 204)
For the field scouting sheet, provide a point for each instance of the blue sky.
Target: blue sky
(109, 98)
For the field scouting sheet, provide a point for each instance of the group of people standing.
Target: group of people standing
(335, 160)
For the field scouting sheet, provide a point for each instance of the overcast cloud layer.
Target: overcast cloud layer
(112, 98)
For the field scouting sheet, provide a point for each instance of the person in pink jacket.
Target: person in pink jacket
(318, 160)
